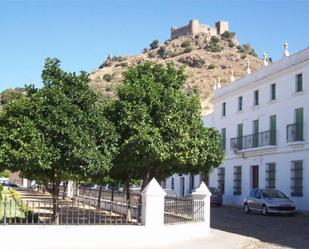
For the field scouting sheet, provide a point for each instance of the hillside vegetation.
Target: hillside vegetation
(205, 58)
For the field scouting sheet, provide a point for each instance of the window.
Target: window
(270, 176)
(297, 178)
(255, 131)
(220, 179)
(237, 180)
(172, 183)
(223, 138)
(239, 136)
(299, 120)
(299, 82)
(272, 128)
(223, 109)
(191, 182)
(273, 91)
(240, 103)
(256, 97)
(163, 184)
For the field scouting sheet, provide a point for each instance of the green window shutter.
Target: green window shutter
(299, 82)
(239, 135)
(273, 92)
(299, 118)
(273, 127)
(255, 131)
(223, 138)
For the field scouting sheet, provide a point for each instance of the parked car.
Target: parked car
(170, 192)
(88, 185)
(268, 201)
(216, 198)
(9, 184)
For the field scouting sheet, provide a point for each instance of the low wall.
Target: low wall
(97, 236)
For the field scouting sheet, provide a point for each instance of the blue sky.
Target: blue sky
(82, 33)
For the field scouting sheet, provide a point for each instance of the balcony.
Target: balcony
(294, 133)
(262, 139)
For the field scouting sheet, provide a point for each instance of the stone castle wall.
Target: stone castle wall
(194, 27)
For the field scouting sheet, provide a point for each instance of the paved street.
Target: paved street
(280, 231)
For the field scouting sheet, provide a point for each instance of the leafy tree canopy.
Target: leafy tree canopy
(160, 128)
(58, 132)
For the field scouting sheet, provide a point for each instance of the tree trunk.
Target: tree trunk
(128, 199)
(99, 198)
(55, 216)
(113, 191)
(65, 187)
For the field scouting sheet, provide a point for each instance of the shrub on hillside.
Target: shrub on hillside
(186, 44)
(211, 66)
(108, 77)
(188, 50)
(155, 44)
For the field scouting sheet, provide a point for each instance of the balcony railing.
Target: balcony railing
(256, 140)
(294, 132)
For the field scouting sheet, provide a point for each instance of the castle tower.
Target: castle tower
(194, 26)
(222, 26)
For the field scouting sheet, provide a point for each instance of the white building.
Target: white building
(264, 120)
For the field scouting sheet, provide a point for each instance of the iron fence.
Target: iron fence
(108, 194)
(183, 210)
(68, 212)
(261, 139)
(294, 132)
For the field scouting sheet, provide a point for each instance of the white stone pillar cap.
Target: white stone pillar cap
(202, 190)
(248, 66)
(265, 62)
(286, 51)
(232, 79)
(153, 188)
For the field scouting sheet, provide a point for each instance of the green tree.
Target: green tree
(5, 173)
(58, 132)
(9, 95)
(160, 128)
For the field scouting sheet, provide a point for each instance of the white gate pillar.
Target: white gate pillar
(153, 204)
(202, 194)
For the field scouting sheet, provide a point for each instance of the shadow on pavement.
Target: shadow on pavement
(288, 231)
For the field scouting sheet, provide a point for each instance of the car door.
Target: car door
(251, 199)
(258, 200)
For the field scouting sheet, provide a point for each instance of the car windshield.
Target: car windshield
(214, 190)
(273, 194)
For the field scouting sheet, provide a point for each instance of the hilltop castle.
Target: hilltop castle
(194, 27)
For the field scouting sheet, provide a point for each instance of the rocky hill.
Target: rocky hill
(206, 59)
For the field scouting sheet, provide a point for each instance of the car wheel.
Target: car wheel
(247, 209)
(264, 210)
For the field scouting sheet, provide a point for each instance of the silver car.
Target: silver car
(268, 201)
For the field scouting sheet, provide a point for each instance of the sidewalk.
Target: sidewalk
(217, 239)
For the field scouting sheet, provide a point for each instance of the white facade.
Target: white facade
(279, 152)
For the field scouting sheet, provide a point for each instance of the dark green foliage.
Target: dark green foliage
(228, 35)
(108, 77)
(211, 66)
(155, 44)
(214, 39)
(192, 61)
(160, 128)
(188, 50)
(214, 45)
(231, 43)
(247, 49)
(186, 44)
(58, 132)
